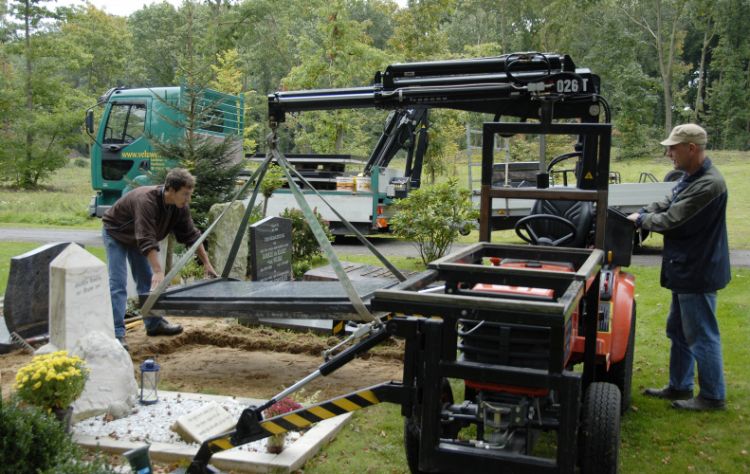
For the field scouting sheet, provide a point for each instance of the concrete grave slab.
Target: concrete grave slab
(291, 459)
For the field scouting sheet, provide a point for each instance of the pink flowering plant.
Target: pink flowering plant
(285, 405)
(52, 381)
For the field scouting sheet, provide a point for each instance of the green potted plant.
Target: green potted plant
(52, 382)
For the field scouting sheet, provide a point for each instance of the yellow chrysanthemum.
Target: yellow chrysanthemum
(37, 386)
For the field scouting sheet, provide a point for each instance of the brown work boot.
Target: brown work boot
(699, 404)
(668, 393)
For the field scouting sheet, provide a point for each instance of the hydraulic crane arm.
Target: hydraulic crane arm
(523, 85)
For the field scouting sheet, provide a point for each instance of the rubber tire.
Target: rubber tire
(600, 429)
(621, 373)
(412, 430)
(673, 175)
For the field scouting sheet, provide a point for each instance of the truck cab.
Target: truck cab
(132, 120)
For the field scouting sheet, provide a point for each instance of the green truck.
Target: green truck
(123, 149)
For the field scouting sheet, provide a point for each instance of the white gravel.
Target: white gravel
(151, 423)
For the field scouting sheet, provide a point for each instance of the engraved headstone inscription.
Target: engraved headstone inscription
(271, 249)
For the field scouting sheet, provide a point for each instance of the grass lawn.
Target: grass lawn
(655, 437)
(62, 202)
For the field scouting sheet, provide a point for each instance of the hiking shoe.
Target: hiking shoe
(699, 404)
(164, 329)
(123, 343)
(668, 393)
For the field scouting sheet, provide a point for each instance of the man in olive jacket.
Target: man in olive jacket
(695, 265)
(133, 228)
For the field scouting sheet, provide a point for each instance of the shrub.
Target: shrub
(34, 442)
(305, 247)
(433, 216)
(273, 180)
(52, 380)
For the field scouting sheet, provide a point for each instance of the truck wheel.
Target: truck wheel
(413, 430)
(600, 429)
(621, 373)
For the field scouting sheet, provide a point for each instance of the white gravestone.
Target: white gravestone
(79, 297)
(203, 423)
(111, 386)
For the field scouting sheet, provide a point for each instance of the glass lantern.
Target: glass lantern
(149, 382)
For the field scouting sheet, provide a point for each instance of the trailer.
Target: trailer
(362, 191)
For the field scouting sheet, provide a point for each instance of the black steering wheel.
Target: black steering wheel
(532, 238)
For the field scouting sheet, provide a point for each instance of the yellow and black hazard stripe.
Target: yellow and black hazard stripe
(338, 327)
(391, 392)
(305, 417)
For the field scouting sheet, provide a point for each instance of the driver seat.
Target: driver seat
(580, 213)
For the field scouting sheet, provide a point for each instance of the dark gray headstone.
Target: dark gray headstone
(271, 249)
(26, 304)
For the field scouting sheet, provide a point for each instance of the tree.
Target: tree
(228, 78)
(419, 34)
(728, 97)
(339, 54)
(209, 160)
(41, 126)
(91, 63)
(661, 20)
(155, 44)
(705, 25)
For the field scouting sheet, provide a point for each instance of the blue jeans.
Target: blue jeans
(117, 257)
(694, 331)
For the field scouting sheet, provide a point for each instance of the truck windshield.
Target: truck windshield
(125, 124)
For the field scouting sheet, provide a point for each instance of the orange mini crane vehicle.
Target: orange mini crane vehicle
(504, 323)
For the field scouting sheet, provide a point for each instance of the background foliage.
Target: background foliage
(661, 62)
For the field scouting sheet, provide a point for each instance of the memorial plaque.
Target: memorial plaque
(203, 423)
(271, 249)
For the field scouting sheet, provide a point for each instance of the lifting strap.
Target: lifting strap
(154, 295)
(399, 276)
(322, 238)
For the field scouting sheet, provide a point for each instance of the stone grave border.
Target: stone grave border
(289, 460)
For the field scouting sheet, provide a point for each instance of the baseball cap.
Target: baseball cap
(686, 133)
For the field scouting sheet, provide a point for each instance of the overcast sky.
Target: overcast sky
(126, 7)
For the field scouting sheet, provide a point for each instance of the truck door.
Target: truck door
(124, 144)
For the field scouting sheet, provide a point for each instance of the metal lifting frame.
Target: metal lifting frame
(525, 86)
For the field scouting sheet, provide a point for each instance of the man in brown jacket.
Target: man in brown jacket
(133, 228)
